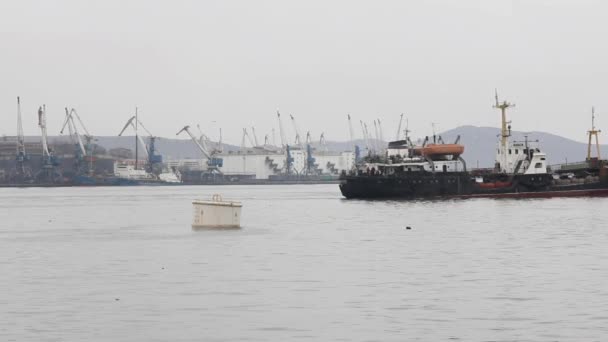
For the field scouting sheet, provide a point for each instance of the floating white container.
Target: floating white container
(216, 213)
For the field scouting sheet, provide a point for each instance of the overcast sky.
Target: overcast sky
(231, 64)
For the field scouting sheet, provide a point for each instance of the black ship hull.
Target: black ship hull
(460, 185)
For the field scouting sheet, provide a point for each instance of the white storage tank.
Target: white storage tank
(216, 213)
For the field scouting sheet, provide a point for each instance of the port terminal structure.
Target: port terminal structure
(75, 157)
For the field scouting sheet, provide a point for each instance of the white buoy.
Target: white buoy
(216, 213)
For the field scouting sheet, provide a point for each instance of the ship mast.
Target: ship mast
(593, 132)
(505, 131)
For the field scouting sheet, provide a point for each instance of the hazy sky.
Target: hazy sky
(231, 64)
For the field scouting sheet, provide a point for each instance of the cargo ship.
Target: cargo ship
(437, 170)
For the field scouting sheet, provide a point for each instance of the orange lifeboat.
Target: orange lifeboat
(440, 150)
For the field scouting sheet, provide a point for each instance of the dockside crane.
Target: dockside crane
(298, 139)
(323, 143)
(399, 128)
(206, 141)
(49, 171)
(80, 152)
(380, 131)
(364, 132)
(213, 164)
(356, 148)
(134, 123)
(248, 137)
(255, 137)
(281, 131)
(376, 136)
(22, 171)
(154, 161)
(351, 131)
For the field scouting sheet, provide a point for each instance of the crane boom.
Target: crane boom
(255, 137)
(322, 142)
(399, 128)
(131, 123)
(368, 137)
(281, 130)
(364, 135)
(381, 137)
(196, 142)
(376, 135)
(73, 130)
(246, 134)
(350, 130)
(298, 139)
(20, 135)
(43, 136)
(74, 112)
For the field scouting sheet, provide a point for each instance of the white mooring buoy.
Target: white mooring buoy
(216, 213)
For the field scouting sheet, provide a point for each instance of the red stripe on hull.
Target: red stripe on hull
(543, 194)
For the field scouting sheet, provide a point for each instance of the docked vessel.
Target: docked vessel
(438, 170)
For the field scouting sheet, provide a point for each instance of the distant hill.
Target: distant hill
(480, 145)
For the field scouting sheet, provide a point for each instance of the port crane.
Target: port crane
(154, 161)
(83, 149)
(22, 171)
(248, 137)
(281, 131)
(255, 137)
(351, 131)
(298, 139)
(352, 140)
(377, 137)
(365, 137)
(213, 163)
(206, 142)
(399, 128)
(49, 171)
(323, 143)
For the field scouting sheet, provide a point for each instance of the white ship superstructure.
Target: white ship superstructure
(517, 157)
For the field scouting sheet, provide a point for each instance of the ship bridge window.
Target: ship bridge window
(509, 151)
(516, 151)
(538, 165)
(543, 158)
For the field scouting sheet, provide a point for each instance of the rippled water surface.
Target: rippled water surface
(123, 264)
